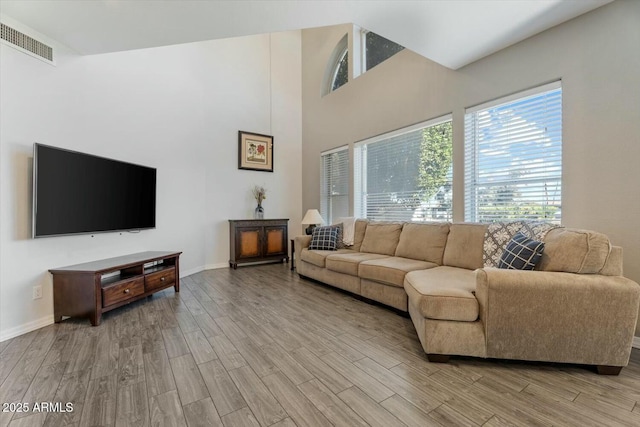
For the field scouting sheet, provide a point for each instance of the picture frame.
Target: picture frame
(255, 151)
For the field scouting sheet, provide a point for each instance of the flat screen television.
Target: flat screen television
(78, 193)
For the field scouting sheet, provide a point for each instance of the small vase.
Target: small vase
(259, 212)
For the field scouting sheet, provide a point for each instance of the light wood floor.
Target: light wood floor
(259, 346)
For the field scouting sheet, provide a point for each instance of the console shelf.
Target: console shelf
(93, 288)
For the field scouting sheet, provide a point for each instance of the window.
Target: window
(513, 157)
(337, 72)
(341, 74)
(405, 175)
(377, 49)
(334, 184)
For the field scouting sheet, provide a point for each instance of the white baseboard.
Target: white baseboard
(636, 342)
(185, 273)
(216, 266)
(27, 327)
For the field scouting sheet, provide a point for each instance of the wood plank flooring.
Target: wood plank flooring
(259, 346)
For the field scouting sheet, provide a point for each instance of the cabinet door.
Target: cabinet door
(248, 242)
(275, 240)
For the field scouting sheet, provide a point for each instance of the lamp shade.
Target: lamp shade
(312, 217)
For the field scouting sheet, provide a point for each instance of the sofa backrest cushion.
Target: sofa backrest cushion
(358, 234)
(613, 266)
(381, 238)
(575, 251)
(424, 242)
(465, 245)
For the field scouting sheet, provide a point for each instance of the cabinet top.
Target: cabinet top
(110, 264)
(259, 220)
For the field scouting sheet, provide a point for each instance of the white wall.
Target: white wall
(597, 56)
(176, 108)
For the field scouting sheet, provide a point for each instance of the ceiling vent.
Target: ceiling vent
(26, 44)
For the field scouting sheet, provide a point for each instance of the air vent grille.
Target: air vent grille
(25, 42)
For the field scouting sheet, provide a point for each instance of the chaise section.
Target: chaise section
(441, 338)
(445, 312)
(558, 317)
(443, 293)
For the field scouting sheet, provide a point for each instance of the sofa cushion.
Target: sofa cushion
(381, 238)
(391, 270)
(340, 235)
(521, 253)
(465, 246)
(425, 242)
(443, 293)
(324, 238)
(317, 257)
(575, 251)
(360, 227)
(348, 263)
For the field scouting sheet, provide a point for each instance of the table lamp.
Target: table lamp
(312, 218)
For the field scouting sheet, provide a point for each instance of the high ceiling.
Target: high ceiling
(451, 32)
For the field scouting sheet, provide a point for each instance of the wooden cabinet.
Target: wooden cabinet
(258, 240)
(93, 288)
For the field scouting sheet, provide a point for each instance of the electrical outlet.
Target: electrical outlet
(37, 292)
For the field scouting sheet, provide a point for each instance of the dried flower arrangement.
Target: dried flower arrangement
(259, 193)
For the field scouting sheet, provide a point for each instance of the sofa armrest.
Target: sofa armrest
(559, 317)
(301, 243)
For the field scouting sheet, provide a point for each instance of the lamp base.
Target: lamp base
(309, 229)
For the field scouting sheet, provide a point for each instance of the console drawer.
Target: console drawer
(122, 291)
(160, 279)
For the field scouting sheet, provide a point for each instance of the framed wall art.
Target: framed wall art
(255, 151)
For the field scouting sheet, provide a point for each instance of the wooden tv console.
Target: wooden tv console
(93, 288)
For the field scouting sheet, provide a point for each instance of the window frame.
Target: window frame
(472, 171)
(333, 66)
(363, 50)
(360, 169)
(326, 199)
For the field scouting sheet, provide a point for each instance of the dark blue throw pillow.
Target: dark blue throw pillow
(521, 253)
(324, 238)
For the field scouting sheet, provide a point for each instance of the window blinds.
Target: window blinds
(334, 184)
(393, 180)
(513, 157)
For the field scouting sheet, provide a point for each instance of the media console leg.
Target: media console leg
(176, 287)
(95, 318)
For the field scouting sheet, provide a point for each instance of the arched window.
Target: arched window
(337, 72)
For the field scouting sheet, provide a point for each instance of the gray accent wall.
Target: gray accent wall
(597, 57)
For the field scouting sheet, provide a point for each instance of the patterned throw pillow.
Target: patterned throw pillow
(340, 230)
(521, 253)
(324, 238)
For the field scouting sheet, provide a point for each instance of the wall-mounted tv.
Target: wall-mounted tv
(78, 193)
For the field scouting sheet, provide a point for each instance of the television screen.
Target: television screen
(77, 193)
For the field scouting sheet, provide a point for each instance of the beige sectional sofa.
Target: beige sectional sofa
(575, 308)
